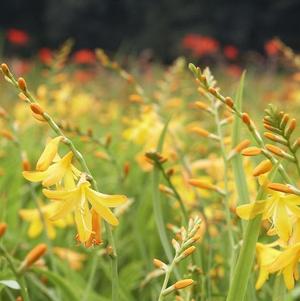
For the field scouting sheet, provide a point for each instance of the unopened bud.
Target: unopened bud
(189, 251)
(229, 102)
(22, 84)
(183, 283)
(284, 121)
(3, 228)
(290, 128)
(251, 151)
(159, 264)
(262, 168)
(36, 108)
(126, 169)
(5, 70)
(35, 254)
(280, 187)
(275, 138)
(246, 119)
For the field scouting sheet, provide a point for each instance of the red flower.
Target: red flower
(84, 56)
(200, 45)
(45, 55)
(231, 52)
(234, 71)
(272, 47)
(17, 36)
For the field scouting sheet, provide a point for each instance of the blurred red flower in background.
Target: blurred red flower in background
(45, 55)
(272, 47)
(17, 36)
(84, 56)
(231, 52)
(200, 45)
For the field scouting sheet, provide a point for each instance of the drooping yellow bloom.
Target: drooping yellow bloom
(78, 200)
(48, 154)
(33, 216)
(265, 256)
(62, 169)
(287, 264)
(278, 208)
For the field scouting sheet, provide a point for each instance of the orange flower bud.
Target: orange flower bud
(22, 96)
(35, 254)
(251, 151)
(8, 135)
(201, 105)
(246, 119)
(159, 264)
(3, 228)
(126, 169)
(280, 187)
(183, 283)
(189, 251)
(242, 145)
(229, 102)
(22, 84)
(200, 131)
(201, 184)
(274, 149)
(5, 69)
(275, 138)
(36, 108)
(263, 167)
(213, 91)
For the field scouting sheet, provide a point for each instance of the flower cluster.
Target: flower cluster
(72, 192)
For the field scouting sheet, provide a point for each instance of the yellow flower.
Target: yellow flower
(77, 200)
(36, 224)
(48, 154)
(265, 255)
(278, 208)
(62, 169)
(287, 264)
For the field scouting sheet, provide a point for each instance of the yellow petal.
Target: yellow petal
(29, 214)
(249, 211)
(288, 276)
(34, 176)
(104, 212)
(262, 277)
(54, 174)
(105, 199)
(60, 194)
(284, 259)
(51, 230)
(65, 207)
(35, 228)
(48, 154)
(282, 222)
(83, 219)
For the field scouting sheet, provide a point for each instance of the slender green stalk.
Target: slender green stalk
(242, 270)
(226, 193)
(167, 276)
(20, 278)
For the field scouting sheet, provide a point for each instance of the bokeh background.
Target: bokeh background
(133, 26)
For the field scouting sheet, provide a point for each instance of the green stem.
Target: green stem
(242, 270)
(226, 196)
(20, 278)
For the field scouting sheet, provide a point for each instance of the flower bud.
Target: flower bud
(22, 84)
(183, 283)
(33, 256)
(36, 108)
(262, 168)
(251, 151)
(3, 228)
(5, 70)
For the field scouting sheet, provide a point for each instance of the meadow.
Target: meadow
(124, 180)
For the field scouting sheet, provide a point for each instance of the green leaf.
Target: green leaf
(13, 284)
